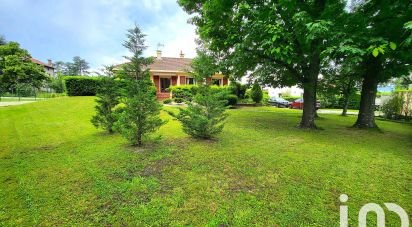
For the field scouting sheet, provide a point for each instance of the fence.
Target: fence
(28, 94)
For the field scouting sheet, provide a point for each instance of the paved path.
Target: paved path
(4, 104)
(325, 111)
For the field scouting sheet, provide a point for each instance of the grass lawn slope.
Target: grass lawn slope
(57, 169)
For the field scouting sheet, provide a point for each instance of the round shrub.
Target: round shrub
(167, 101)
(256, 93)
(231, 100)
(237, 89)
(178, 100)
(185, 92)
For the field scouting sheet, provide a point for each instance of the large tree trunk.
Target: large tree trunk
(309, 93)
(308, 115)
(366, 116)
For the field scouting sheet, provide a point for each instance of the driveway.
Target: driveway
(16, 103)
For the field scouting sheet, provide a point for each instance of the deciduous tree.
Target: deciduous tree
(282, 40)
(16, 68)
(380, 29)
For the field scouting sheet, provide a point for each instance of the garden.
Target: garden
(105, 150)
(57, 169)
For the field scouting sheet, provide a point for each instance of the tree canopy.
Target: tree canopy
(78, 67)
(377, 31)
(279, 42)
(283, 43)
(17, 69)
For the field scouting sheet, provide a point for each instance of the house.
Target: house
(48, 68)
(170, 71)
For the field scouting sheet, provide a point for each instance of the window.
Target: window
(164, 84)
(217, 82)
(190, 80)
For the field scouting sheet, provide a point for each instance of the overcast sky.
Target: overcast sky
(94, 29)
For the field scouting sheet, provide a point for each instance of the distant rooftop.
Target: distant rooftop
(50, 65)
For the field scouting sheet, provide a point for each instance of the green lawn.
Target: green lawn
(57, 169)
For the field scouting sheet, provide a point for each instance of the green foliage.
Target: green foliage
(265, 97)
(57, 83)
(277, 42)
(238, 89)
(185, 92)
(231, 99)
(205, 117)
(16, 68)
(81, 85)
(178, 100)
(78, 66)
(140, 116)
(25, 90)
(392, 108)
(167, 101)
(108, 97)
(204, 65)
(398, 106)
(256, 93)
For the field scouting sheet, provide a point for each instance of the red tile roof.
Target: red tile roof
(169, 64)
(40, 63)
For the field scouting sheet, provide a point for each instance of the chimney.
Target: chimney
(159, 54)
(49, 62)
(182, 55)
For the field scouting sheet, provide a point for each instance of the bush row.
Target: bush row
(81, 85)
(185, 93)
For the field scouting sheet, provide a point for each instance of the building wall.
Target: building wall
(49, 71)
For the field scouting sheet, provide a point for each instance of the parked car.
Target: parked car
(279, 102)
(298, 104)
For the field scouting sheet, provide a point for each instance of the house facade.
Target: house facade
(171, 71)
(48, 68)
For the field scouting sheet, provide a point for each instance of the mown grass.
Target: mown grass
(56, 169)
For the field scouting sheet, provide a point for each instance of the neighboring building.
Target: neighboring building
(48, 68)
(168, 71)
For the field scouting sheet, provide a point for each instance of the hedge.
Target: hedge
(81, 85)
(185, 92)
